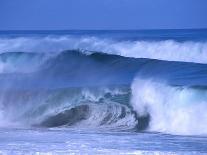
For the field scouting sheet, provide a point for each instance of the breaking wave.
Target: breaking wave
(171, 50)
(72, 107)
(92, 82)
(172, 109)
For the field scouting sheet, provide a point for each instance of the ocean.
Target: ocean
(103, 92)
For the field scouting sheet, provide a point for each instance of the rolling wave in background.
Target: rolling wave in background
(171, 50)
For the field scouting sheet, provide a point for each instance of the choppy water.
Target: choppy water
(43, 141)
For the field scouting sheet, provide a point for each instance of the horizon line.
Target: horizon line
(102, 29)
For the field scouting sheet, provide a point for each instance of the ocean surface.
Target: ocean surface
(103, 92)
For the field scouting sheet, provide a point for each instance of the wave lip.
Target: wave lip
(95, 108)
(174, 110)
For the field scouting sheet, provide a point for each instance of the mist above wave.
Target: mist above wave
(187, 51)
(172, 109)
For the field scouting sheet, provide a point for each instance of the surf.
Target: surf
(64, 97)
(146, 47)
(103, 83)
(173, 109)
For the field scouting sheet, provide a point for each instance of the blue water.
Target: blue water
(103, 92)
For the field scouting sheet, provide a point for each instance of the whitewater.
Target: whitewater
(103, 92)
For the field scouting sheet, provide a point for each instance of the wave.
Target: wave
(148, 105)
(172, 109)
(92, 90)
(74, 68)
(21, 62)
(105, 108)
(171, 50)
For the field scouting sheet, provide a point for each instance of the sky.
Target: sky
(102, 14)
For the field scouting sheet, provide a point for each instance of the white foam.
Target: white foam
(103, 112)
(172, 109)
(165, 50)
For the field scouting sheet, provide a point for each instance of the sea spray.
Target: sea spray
(172, 109)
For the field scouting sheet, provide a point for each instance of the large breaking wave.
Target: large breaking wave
(88, 82)
(172, 109)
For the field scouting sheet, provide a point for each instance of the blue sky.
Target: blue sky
(102, 14)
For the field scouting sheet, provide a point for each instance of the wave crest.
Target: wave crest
(187, 51)
(176, 110)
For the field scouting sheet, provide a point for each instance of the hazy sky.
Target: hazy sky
(102, 14)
